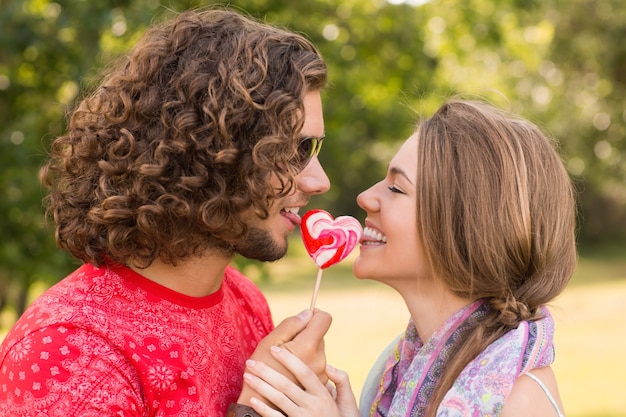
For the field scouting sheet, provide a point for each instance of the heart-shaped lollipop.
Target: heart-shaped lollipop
(327, 240)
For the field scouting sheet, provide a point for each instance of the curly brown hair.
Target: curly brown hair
(181, 137)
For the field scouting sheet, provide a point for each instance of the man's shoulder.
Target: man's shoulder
(243, 289)
(58, 306)
(80, 281)
(235, 278)
(236, 282)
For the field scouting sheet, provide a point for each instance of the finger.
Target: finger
(290, 327)
(307, 378)
(274, 386)
(331, 389)
(338, 376)
(317, 326)
(345, 398)
(263, 409)
(268, 392)
(308, 345)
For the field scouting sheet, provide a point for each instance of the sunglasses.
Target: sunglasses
(308, 147)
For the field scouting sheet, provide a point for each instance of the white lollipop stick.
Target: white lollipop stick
(318, 280)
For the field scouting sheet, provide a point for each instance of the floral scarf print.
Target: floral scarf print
(413, 368)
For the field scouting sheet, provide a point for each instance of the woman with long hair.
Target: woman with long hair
(474, 226)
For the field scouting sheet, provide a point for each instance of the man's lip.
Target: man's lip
(292, 217)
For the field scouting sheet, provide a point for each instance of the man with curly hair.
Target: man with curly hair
(199, 144)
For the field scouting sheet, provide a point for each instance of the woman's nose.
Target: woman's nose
(367, 199)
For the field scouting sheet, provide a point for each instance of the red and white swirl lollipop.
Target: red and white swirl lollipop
(327, 240)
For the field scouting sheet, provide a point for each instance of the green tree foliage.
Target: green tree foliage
(562, 63)
(588, 110)
(48, 51)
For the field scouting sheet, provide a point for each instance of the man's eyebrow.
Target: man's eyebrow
(322, 136)
(398, 171)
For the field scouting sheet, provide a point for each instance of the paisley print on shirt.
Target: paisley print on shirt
(108, 342)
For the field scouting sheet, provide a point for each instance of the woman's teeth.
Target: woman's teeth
(373, 236)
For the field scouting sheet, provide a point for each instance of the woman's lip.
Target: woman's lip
(371, 242)
(366, 238)
(371, 225)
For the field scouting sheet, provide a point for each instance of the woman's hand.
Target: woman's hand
(335, 399)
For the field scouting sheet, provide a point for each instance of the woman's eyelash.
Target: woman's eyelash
(395, 189)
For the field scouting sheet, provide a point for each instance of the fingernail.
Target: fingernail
(305, 315)
(275, 349)
(247, 376)
(250, 363)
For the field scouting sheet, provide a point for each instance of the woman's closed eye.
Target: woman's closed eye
(395, 189)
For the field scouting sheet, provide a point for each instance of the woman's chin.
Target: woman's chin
(359, 268)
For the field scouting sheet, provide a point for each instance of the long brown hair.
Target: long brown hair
(496, 214)
(181, 137)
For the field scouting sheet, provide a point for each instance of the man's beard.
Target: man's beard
(259, 244)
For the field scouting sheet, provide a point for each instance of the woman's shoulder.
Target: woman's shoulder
(534, 394)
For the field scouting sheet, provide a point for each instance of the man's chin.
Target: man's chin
(261, 246)
(263, 255)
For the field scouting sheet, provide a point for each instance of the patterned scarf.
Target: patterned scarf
(414, 368)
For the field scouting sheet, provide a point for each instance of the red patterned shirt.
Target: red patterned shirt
(109, 342)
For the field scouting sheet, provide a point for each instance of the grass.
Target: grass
(590, 317)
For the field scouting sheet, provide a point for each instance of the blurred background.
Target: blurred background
(559, 63)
